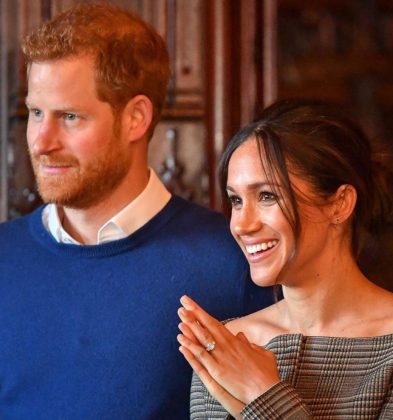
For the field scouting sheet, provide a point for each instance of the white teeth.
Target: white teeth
(263, 246)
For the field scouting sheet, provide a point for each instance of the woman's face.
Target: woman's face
(260, 227)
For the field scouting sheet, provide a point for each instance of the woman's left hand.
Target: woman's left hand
(234, 371)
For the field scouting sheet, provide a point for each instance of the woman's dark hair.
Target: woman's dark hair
(316, 142)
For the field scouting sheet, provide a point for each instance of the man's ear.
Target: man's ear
(343, 204)
(137, 117)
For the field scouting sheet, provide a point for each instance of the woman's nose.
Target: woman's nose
(246, 221)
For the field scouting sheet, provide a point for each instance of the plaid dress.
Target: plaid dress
(321, 378)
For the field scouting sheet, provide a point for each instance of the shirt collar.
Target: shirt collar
(128, 220)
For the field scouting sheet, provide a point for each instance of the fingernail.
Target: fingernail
(186, 302)
(182, 313)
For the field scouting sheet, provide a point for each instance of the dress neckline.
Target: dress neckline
(298, 337)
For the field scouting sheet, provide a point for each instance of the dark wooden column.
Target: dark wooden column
(268, 38)
(241, 72)
(218, 95)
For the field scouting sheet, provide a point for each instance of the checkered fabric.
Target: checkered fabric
(321, 378)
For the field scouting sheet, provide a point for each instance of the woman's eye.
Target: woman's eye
(267, 197)
(234, 200)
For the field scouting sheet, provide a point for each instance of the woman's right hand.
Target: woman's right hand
(235, 371)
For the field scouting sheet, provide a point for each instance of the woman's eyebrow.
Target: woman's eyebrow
(256, 185)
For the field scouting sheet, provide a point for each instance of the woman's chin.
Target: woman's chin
(263, 280)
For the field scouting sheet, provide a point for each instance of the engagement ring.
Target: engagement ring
(210, 346)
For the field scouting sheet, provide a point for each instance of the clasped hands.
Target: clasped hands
(234, 371)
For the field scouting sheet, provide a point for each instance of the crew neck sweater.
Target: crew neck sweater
(89, 332)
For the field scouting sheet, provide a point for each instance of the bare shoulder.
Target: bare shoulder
(384, 313)
(377, 316)
(259, 327)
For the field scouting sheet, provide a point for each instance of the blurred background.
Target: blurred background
(230, 58)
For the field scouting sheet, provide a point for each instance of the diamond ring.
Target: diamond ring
(210, 346)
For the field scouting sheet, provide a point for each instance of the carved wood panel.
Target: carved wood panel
(341, 51)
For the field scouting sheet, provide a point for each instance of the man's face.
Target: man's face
(78, 151)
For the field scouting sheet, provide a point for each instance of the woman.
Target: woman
(305, 193)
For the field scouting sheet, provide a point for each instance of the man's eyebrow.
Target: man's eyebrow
(29, 103)
(65, 109)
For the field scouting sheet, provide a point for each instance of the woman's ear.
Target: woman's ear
(137, 117)
(343, 204)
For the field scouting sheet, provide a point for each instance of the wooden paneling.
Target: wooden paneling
(18, 194)
(340, 51)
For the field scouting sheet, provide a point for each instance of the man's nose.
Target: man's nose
(45, 138)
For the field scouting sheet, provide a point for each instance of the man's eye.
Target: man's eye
(70, 117)
(35, 112)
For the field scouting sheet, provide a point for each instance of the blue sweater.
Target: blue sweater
(89, 332)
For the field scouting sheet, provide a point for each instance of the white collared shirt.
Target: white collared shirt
(132, 217)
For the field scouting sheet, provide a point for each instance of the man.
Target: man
(90, 282)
